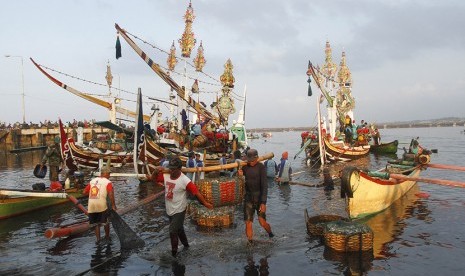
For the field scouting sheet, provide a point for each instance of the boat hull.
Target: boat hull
(15, 206)
(387, 148)
(89, 159)
(345, 153)
(371, 195)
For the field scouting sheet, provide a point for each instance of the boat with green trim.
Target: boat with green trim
(387, 148)
(17, 202)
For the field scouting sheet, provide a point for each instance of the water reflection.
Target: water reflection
(285, 192)
(252, 269)
(390, 223)
(351, 263)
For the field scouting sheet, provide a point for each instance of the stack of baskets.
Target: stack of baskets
(348, 236)
(222, 191)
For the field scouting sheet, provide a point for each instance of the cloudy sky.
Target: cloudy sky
(407, 57)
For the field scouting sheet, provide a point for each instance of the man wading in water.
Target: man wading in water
(256, 193)
(176, 186)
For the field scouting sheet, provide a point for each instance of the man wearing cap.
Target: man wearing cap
(176, 186)
(100, 189)
(53, 157)
(256, 193)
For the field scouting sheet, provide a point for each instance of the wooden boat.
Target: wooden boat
(88, 157)
(17, 202)
(371, 192)
(79, 157)
(335, 84)
(387, 148)
(340, 152)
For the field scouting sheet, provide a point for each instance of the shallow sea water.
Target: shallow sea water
(415, 236)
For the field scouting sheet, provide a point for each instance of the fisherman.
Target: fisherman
(176, 186)
(271, 168)
(198, 164)
(256, 193)
(284, 169)
(53, 157)
(190, 163)
(100, 190)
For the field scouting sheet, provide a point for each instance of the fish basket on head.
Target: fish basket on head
(40, 171)
(348, 236)
(222, 191)
(316, 224)
(218, 217)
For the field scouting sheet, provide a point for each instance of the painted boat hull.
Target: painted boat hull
(89, 159)
(339, 153)
(371, 195)
(387, 148)
(11, 207)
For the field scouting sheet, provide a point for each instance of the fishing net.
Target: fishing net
(127, 237)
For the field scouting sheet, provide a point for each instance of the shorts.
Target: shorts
(177, 222)
(99, 218)
(250, 208)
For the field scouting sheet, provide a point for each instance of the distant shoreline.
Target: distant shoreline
(414, 124)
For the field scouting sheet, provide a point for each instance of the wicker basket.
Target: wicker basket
(218, 217)
(344, 236)
(316, 224)
(222, 191)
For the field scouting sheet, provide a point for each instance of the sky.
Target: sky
(407, 57)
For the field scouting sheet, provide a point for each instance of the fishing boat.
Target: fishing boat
(17, 202)
(89, 157)
(370, 192)
(335, 84)
(386, 148)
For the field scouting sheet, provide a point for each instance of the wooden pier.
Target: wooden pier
(18, 140)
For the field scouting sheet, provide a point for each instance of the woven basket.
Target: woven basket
(345, 236)
(218, 217)
(222, 191)
(316, 224)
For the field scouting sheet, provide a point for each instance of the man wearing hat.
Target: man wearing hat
(99, 190)
(53, 157)
(256, 193)
(176, 186)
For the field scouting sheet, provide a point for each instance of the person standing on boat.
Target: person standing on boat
(53, 157)
(376, 137)
(176, 186)
(284, 169)
(100, 191)
(256, 194)
(271, 168)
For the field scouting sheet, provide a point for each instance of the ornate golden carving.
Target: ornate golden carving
(199, 60)
(344, 76)
(227, 78)
(172, 60)
(329, 69)
(109, 76)
(225, 104)
(187, 42)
